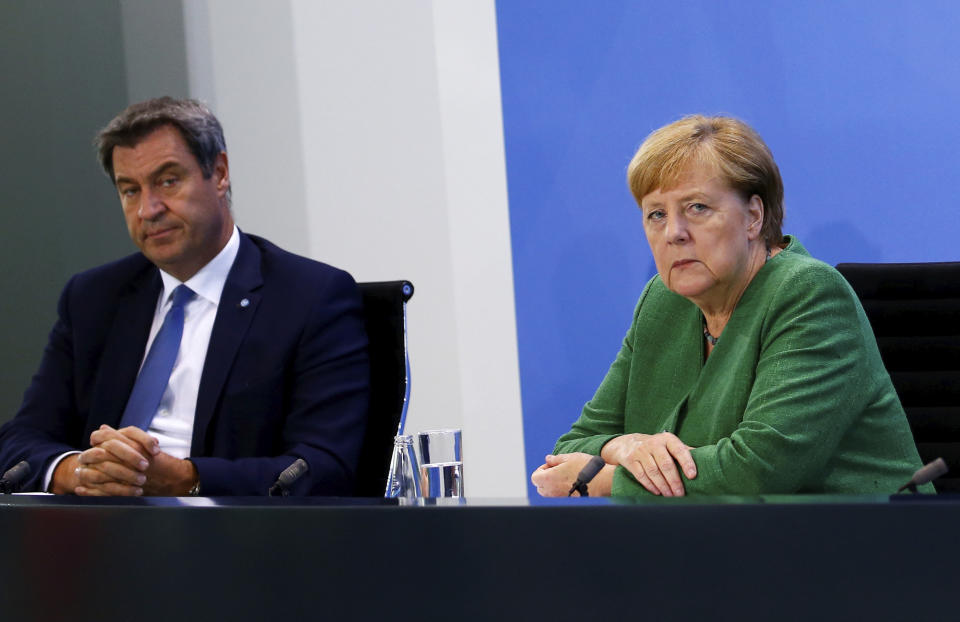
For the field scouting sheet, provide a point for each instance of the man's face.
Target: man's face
(179, 220)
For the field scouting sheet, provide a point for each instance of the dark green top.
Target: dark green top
(793, 399)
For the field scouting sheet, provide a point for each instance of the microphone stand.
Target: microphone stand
(586, 475)
(580, 487)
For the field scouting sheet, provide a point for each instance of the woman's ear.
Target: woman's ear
(755, 218)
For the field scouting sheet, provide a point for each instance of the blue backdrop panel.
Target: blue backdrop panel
(857, 100)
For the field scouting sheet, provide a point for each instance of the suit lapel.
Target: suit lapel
(238, 305)
(123, 350)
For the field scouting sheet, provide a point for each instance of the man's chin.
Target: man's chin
(161, 255)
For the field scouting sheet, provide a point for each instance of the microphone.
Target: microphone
(14, 477)
(289, 475)
(925, 474)
(586, 476)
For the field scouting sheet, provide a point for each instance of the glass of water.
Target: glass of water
(443, 479)
(441, 463)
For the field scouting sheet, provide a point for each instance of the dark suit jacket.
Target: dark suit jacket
(286, 374)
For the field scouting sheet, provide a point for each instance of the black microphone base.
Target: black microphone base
(7, 488)
(277, 491)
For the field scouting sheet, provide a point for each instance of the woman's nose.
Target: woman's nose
(677, 229)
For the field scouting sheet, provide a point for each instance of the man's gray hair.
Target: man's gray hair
(199, 128)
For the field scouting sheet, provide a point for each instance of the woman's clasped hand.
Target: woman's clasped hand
(655, 461)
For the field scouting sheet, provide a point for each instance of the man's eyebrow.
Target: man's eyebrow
(153, 174)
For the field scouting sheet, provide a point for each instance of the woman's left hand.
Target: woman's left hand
(653, 460)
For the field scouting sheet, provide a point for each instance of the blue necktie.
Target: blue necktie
(155, 373)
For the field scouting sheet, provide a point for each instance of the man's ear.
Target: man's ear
(221, 173)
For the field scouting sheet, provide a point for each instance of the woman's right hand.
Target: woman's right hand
(556, 475)
(653, 460)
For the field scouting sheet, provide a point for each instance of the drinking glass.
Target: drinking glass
(441, 463)
(443, 479)
(438, 446)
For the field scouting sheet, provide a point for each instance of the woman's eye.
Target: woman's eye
(699, 207)
(655, 214)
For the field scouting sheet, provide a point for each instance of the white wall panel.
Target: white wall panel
(479, 221)
(375, 175)
(368, 135)
(241, 61)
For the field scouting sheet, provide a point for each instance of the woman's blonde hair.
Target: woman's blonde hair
(727, 145)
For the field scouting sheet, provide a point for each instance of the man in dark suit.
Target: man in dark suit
(206, 363)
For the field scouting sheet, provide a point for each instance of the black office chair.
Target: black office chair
(385, 313)
(914, 309)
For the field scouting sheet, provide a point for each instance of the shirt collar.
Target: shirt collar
(209, 281)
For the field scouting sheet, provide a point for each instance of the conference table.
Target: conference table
(713, 558)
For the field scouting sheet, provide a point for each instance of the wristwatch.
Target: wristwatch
(195, 491)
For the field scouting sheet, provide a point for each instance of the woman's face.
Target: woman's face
(703, 235)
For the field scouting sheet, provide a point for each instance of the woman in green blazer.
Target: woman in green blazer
(750, 367)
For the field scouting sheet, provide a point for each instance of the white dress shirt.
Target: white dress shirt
(172, 424)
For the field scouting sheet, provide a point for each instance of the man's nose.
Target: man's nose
(151, 205)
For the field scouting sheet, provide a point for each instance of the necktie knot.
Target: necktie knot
(181, 296)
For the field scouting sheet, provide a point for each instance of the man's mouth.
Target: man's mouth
(157, 233)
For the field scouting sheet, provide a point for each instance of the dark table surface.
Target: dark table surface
(722, 558)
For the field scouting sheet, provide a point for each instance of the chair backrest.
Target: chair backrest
(384, 308)
(914, 309)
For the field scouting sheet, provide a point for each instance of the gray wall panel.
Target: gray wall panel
(63, 77)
